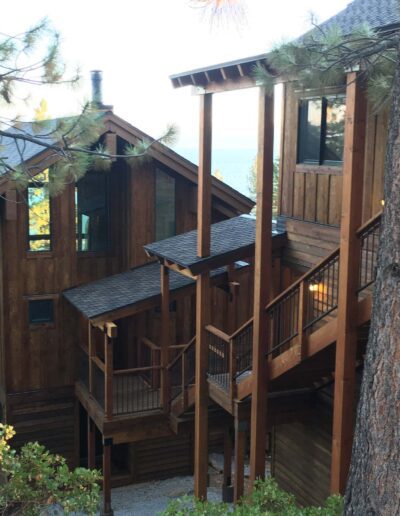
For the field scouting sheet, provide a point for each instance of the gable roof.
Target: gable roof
(17, 151)
(378, 14)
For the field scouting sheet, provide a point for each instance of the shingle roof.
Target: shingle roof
(125, 289)
(16, 151)
(231, 240)
(375, 13)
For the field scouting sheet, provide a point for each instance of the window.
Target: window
(41, 311)
(165, 205)
(39, 214)
(321, 130)
(91, 212)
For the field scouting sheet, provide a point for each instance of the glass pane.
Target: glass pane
(39, 214)
(91, 212)
(165, 205)
(334, 136)
(309, 140)
(41, 311)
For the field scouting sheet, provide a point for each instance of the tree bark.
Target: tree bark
(374, 480)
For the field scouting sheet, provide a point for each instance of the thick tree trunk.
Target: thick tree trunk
(374, 479)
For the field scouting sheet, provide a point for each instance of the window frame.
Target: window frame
(54, 298)
(35, 252)
(89, 253)
(321, 162)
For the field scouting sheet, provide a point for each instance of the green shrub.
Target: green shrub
(267, 499)
(34, 480)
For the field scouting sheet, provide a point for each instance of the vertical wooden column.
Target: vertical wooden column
(202, 300)
(227, 485)
(110, 333)
(346, 344)
(204, 184)
(91, 429)
(263, 284)
(241, 427)
(165, 337)
(91, 352)
(107, 511)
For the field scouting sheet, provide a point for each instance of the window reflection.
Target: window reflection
(91, 212)
(39, 221)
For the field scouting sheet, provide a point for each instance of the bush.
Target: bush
(267, 499)
(34, 480)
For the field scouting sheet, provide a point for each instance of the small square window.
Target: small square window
(41, 311)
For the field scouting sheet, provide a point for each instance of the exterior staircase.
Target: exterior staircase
(302, 332)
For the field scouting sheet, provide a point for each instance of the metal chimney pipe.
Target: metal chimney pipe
(96, 76)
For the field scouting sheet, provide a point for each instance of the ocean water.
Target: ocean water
(234, 165)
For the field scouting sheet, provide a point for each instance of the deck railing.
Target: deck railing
(133, 392)
(181, 371)
(369, 236)
(302, 308)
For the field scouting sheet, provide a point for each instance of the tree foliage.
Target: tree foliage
(252, 184)
(266, 499)
(320, 59)
(33, 58)
(34, 479)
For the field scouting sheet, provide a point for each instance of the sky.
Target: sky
(138, 44)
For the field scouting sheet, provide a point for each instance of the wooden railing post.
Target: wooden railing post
(184, 380)
(92, 353)
(232, 368)
(346, 344)
(303, 293)
(110, 333)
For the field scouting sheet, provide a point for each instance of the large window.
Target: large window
(321, 130)
(165, 205)
(91, 212)
(39, 214)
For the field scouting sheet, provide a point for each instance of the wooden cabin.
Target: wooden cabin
(83, 369)
(289, 376)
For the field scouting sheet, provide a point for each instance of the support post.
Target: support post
(91, 443)
(263, 284)
(107, 510)
(346, 344)
(241, 428)
(203, 299)
(92, 353)
(201, 387)
(110, 333)
(227, 488)
(165, 338)
(204, 184)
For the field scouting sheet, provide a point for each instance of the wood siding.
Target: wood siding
(310, 196)
(301, 455)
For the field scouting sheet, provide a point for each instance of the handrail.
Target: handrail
(150, 344)
(241, 328)
(136, 370)
(319, 265)
(100, 364)
(218, 333)
(190, 343)
(369, 223)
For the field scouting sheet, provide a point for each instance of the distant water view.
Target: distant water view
(233, 165)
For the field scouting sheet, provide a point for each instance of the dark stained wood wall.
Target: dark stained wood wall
(301, 455)
(39, 357)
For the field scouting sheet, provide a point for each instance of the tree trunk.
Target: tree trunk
(374, 479)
